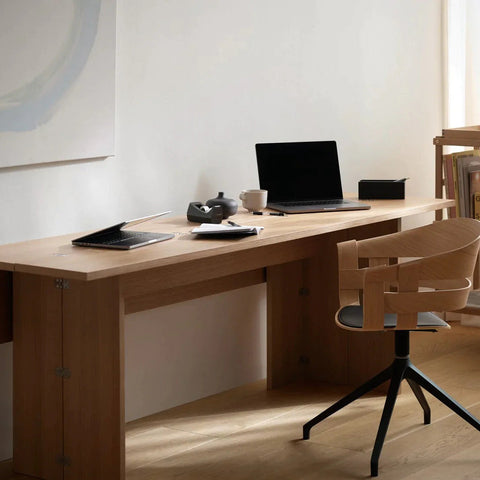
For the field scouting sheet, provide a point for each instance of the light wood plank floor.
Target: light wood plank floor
(250, 433)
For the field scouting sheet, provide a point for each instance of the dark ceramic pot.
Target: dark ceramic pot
(229, 205)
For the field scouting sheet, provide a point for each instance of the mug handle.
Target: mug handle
(242, 195)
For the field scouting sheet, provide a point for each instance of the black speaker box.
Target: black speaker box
(381, 189)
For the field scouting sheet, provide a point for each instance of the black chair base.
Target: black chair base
(400, 369)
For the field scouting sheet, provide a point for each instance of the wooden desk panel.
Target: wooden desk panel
(304, 342)
(94, 400)
(69, 363)
(56, 256)
(38, 389)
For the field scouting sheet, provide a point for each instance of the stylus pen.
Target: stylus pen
(276, 214)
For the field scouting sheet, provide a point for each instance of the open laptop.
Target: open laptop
(302, 177)
(118, 237)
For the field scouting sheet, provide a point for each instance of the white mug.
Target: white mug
(254, 200)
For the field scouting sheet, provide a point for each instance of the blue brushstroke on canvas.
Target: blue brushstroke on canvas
(34, 103)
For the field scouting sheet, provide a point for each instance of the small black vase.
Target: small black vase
(229, 205)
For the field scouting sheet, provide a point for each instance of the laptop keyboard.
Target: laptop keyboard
(339, 201)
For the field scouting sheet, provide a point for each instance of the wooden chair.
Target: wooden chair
(399, 297)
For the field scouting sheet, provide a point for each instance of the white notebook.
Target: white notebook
(225, 230)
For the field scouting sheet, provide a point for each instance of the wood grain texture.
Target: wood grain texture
(37, 401)
(249, 432)
(185, 272)
(167, 296)
(439, 181)
(295, 250)
(327, 344)
(334, 353)
(460, 141)
(303, 340)
(285, 323)
(57, 257)
(94, 411)
(444, 258)
(374, 348)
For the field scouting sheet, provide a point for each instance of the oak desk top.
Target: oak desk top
(56, 256)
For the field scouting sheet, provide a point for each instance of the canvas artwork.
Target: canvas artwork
(57, 80)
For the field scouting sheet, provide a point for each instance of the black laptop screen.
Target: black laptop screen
(299, 170)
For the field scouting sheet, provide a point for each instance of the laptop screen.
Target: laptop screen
(299, 170)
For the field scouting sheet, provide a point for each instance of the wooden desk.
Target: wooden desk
(69, 303)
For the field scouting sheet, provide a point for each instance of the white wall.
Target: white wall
(198, 84)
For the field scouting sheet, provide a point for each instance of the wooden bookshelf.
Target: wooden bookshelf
(460, 137)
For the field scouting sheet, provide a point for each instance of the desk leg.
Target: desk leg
(325, 344)
(336, 355)
(37, 390)
(93, 350)
(68, 379)
(303, 341)
(285, 323)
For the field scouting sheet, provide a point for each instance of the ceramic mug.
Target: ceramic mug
(254, 200)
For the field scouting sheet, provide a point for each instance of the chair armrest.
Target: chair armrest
(442, 255)
(352, 278)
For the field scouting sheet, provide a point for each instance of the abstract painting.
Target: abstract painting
(57, 80)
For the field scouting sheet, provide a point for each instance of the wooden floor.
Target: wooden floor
(249, 433)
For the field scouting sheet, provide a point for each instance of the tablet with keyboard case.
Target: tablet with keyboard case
(119, 238)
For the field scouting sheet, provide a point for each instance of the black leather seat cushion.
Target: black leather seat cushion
(352, 316)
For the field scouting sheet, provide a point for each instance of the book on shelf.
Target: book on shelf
(461, 174)
(474, 180)
(465, 161)
(476, 205)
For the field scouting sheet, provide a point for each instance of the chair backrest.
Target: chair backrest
(440, 261)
